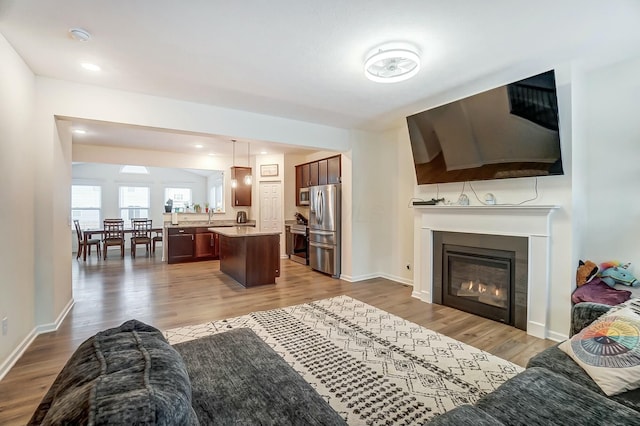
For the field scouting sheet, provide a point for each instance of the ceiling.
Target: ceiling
(304, 59)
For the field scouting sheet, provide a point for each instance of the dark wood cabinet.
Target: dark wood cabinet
(191, 244)
(205, 244)
(334, 169)
(241, 195)
(313, 173)
(251, 260)
(305, 175)
(180, 245)
(299, 180)
(321, 172)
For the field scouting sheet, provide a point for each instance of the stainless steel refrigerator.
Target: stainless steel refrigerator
(324, 229)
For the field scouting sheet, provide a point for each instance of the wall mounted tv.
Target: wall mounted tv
(507, 132)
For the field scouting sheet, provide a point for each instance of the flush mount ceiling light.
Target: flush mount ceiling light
(89, 66)
(392, 62)
(79, 34)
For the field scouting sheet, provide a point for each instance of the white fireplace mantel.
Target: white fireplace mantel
(530, 221)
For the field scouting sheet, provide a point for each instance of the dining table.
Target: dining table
(88, 233)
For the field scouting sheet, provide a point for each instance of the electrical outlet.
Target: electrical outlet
(5, 326)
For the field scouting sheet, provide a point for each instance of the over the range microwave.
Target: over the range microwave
(303, 197)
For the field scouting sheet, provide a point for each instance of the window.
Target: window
(180, 196)
(86, 201)
(134, 202)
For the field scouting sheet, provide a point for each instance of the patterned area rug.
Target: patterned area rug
(371, 366)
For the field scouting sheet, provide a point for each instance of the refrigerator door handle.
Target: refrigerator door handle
(316, 232)
(320, 245)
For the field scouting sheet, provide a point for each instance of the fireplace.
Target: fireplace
(484, 275)
(530, 225)
(478, 281)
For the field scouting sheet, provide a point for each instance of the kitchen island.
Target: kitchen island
(249, 256)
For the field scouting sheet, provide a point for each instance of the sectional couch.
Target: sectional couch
(553, 390)
(131, 375)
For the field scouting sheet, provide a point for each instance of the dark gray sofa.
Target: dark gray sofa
(553, 390)
(131, 375)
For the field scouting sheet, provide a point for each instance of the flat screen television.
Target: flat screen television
(507, 132)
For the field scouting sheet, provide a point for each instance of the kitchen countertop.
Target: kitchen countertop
(242, 231)
(212, 224)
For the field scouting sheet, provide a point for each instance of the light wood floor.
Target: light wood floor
(110, 292)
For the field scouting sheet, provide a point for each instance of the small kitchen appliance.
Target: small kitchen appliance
(241, 217)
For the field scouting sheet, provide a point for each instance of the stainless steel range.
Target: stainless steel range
(298, 240)
(300, 246)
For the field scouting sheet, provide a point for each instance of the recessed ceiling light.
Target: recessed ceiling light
(263, 152)
(90, 67)
(211, 154)
(79, 131)
(79, 34)
(198, 146)
(391, 63)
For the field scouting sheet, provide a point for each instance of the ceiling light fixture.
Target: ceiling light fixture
(90, 67)
(234, 181)
(391, 63)
(79, 131)
(247, 177)
(198, 146)
(79, 34)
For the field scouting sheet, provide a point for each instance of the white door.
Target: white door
(271, 206)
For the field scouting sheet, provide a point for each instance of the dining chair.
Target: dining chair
(113, 235)
(90, 242)
(156, 239)
(140, 234)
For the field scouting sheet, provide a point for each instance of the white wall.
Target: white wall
(612, 143)
(17, 285)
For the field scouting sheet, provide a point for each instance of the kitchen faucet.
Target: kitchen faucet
(209, 213)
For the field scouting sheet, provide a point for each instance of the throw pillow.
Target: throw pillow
(609, 349)
(125, 375)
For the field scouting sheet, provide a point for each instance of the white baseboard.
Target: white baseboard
(557, 337)
(355, 279)
(397, 279)
(421, 295)
(28, 340)
(17, 353)
(47, 328)
(358, 278)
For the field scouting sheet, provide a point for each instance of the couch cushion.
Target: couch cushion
(237, 379)
(559, 362)
(124, 375)
(538, 396)
(464, 415)
(609, 350)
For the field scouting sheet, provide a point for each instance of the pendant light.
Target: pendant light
(234, 181)
(247, 177)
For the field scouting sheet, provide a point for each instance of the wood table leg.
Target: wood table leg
(84, 249)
